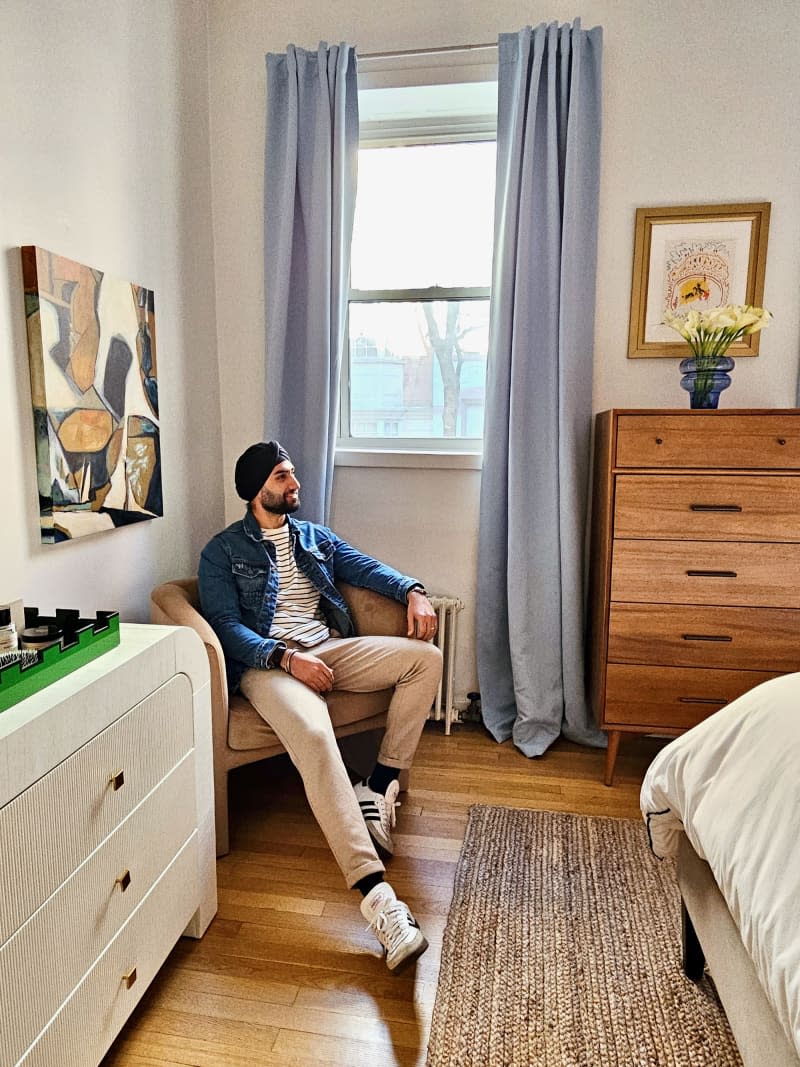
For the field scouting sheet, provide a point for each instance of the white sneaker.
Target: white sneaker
(378, 812)
(394, 926)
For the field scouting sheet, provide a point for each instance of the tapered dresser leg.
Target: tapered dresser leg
(611, 754)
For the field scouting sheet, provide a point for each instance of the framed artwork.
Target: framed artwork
(92, 356)
(694, 257)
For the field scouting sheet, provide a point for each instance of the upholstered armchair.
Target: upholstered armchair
(240, 735)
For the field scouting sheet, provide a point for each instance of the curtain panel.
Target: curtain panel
(310, 173)
(539, 389)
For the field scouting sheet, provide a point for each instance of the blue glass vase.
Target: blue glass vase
(704, 378)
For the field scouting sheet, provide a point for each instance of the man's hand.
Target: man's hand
(310, 670)
(421, 617)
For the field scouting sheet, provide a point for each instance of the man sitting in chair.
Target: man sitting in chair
(267, 588)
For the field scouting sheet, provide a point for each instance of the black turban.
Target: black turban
(255, 465)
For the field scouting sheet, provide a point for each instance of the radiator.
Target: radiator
(447, 609)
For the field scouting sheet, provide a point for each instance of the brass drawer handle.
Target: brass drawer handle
(706, 637)
(129, 978)
(701, 700)
(715, 507)
(123, 880)
(711, 574)
(117, 780)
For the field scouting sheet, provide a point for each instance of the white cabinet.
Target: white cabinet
(107, 831)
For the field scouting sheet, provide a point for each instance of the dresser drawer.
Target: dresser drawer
(672, 698)
(708, 507)
(90, 1020)
(746, 574)
(675, 635)
(73, 927)
(49, 830)
(709, 440)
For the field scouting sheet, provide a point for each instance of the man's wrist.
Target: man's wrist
(418, 587)
(276, 655)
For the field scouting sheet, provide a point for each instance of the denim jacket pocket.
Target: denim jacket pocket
(251, 579)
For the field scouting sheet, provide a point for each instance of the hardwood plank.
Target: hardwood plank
(271, 901)
(293, 1017)
(305, 1050)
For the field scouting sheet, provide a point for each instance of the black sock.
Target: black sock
(381, 777)
(369, 881)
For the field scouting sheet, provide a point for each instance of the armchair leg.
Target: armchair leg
(221, 812)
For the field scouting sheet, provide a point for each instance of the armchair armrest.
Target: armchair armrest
(374, 614)
(176, 603)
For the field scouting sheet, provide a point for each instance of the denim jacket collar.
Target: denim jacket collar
(250, 525)
(253, 530)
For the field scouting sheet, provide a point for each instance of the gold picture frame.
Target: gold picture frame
(694, 256)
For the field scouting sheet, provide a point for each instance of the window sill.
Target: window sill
(388, 457)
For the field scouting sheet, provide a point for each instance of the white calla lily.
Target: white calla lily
(710, 333)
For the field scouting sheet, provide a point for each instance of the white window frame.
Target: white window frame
(442, 67)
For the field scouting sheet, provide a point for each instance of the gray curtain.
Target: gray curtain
(310, 171)
(539, 389)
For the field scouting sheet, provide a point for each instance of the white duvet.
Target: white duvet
(733, 785)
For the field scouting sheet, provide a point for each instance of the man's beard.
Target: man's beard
(276, 503)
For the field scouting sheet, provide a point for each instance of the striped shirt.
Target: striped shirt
(297, 612)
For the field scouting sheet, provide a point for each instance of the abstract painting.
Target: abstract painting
(92, 353)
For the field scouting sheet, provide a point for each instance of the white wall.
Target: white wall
(105, 160)
(700, 105)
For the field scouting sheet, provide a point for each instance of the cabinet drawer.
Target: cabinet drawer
(73, 927)
(708, 507)
(747, 574)
(674, 635)
(705, 440)
(49, 830)
(97, 1009)
(672, 698)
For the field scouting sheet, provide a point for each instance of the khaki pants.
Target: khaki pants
(299, 717)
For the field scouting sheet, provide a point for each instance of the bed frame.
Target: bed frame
(710, 934)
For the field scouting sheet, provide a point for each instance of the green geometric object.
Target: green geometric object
(84, 640)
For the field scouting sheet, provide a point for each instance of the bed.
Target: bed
(724, 800)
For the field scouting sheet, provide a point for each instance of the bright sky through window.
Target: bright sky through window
(424, 216)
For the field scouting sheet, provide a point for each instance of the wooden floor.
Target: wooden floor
(287, 973)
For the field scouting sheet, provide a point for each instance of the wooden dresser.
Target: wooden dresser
(695, 564)
(107, 825)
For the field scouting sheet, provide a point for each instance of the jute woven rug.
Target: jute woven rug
(562, 949)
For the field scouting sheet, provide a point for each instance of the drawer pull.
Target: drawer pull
(781, 440)
(701, 700)
(129, 978)
(659, 440)
(715, 507)
(711, 574)
(117, 780)
(123, 880)
(706, 637)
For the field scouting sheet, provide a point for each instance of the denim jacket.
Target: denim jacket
(238, 582)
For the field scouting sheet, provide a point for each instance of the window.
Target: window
(414, 375)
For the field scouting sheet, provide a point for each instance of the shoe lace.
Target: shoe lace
(391, 924)
(389, 804)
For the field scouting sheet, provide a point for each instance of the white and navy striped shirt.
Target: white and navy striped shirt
(297, 613)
